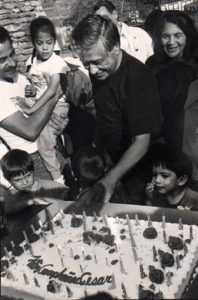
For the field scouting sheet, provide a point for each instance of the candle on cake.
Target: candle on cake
(178, 262)
(36, 282)
(60, 254)
(125, 296)
(107, 262)
(180, 226)
(137, 220)
(81, 268)
(31, 250)
(51, 226)
(106, 221)
(25, 236)
(164, 236)
(122, 269)
(69, 291)
(95, 218)
(95, 258)
(163, 221)
(135, 254)
(6, 252)
(33, 229)
(12, 244)
(84, 221)
(113, 283)
(71, 252)
(25, 278)
(83, 253)
(130, 231)
(154, 254)
(191, 232)
(149, 221)
(185, 249)
(62, 213)
(40, 224)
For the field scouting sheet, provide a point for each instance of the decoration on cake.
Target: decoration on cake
(150, 233)
(76, 222)
(156, 275)
(175, 243)
(166, 259)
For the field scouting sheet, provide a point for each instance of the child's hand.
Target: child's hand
(150, 188)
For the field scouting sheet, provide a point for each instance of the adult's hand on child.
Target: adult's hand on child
(58, 122)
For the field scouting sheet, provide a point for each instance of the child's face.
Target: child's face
(23, 182)
(165, 180)
(44, 44)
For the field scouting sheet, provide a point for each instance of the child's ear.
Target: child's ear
(182, 180)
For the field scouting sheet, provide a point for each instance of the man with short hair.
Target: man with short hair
(134, 40)
(18, 131)
(125, 95)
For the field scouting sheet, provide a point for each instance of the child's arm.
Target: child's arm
(48, 94)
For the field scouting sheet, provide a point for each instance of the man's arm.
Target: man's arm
(48, 94)
(129, 159)
(30, 128)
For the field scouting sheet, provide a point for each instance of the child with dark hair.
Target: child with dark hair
(18, 168)
(46, 71)
(89, 165)
(171, 175)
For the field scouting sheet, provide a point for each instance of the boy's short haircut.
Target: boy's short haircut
(175, 161)
(88, 165)
(16, 162)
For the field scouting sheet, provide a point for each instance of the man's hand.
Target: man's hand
(109, 184)
(58, 122)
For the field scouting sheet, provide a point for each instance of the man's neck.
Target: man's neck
(175, 198)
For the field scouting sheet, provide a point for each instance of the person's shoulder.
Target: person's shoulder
(136, 67)
(137, 31)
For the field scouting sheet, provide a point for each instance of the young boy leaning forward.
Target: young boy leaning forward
(18, 168)
(171, 175)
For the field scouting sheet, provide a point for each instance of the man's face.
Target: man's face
(8, 62)
(100, 64)
(103, 12)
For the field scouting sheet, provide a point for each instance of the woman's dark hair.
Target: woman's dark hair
(185, 23)
(16, 162)
(151, 21)
(4, 35)
(94, 28)
(107, 4)
(88, 165)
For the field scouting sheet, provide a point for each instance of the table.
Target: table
(110, 209)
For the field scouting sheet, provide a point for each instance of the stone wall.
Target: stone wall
(15, 16)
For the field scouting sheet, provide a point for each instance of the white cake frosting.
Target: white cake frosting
(97, 269)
